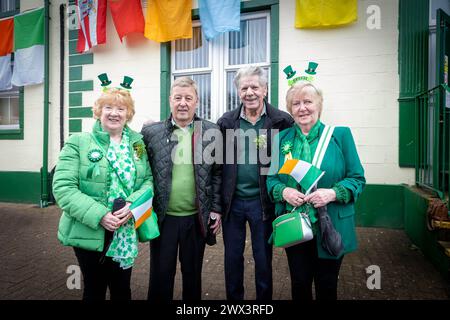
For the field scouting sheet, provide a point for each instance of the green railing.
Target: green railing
(433, 147)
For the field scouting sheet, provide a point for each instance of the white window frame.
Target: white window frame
(218, 64)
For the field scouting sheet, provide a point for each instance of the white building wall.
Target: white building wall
(26, 154)
(358, 73)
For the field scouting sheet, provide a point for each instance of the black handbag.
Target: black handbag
(331, 239)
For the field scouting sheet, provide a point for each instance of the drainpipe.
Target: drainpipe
(44, 169)
(62, 31)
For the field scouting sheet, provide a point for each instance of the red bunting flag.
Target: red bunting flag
(127, 16)
(92, 18)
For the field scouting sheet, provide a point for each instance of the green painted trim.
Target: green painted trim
(20, 187)
(75, 125)
(413, 71)
(73, 35)
(16, 134)
(165, 80)
(85, 112)
(380, 206)
(77, 59)
(248, 6)
(274, 52)
(75, 73)
(45, 193)
(73, 47)
(75, 99)
(86, 85)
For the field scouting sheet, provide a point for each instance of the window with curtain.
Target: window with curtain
(213, 64)
(9, 109)
(7, 7)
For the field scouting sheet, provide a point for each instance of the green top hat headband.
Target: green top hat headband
(290, 73)
(126, 83)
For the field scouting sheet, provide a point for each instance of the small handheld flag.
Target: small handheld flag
(142, 207)
(303, 172)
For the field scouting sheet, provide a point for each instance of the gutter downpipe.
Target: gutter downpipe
(44, 169)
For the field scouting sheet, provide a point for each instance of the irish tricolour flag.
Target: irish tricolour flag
(303, 172)
(142, 208)
(28, 48)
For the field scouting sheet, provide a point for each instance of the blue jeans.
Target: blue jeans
(234, 234)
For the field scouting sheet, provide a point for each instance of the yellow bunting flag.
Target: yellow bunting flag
(168, 20)
(325, 13)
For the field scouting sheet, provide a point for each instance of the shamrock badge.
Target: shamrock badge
(139, 150)
(261, 141)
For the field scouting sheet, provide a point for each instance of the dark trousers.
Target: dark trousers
(234, 234)
(98, 275)
(182, 233)
(305, 267)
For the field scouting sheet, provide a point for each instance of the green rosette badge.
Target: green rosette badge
(94, 156)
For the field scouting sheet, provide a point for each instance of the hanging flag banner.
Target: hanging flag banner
(325, 13)
(127, 16)
(168, 20)
(6, 47)
(28, 48)
(303, 172)
(219, 16)
(92, 18)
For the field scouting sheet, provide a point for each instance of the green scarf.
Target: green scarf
(304, 148)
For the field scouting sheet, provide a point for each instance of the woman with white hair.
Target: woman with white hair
(337, 190)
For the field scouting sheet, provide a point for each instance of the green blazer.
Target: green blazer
(84, 199)
(342, 166)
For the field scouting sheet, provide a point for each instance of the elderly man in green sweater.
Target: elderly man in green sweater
(187, 194)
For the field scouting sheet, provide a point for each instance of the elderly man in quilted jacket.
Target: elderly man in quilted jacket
(187, 193)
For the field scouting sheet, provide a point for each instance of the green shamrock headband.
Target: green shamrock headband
(126, 84)
(290, 73)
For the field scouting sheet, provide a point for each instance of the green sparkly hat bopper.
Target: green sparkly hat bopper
(311, 68)
(289, 72)
(127, 82)
(104, 79)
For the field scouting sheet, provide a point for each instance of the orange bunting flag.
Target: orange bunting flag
(168, 20)
(127, 16)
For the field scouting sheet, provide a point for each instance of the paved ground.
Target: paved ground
(34, 264)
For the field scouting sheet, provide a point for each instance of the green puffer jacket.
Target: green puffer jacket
(84, 200)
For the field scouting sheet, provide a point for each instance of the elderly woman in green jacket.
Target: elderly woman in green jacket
(94, 169)
(338, 190)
